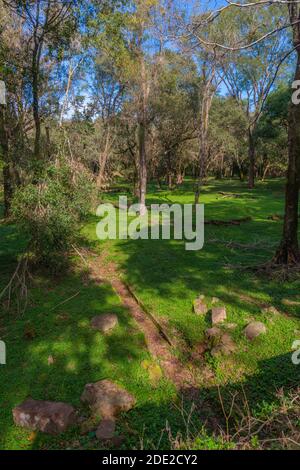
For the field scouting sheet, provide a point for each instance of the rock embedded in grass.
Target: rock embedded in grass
(106, 430)
(105, 323)
(200, 307)
(213, 332)
(107, 399)
(45, 416)
(255, 329)
(218, 315)
(225, 347)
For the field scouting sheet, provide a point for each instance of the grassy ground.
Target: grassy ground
(167, 279)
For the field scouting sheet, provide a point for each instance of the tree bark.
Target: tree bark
(203, 150)
(288, 251)
(7, 176)
(251, 143)
(35, 102)
(103, 160)
(142, 165)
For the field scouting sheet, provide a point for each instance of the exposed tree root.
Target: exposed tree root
(279, 272)
(287, 255)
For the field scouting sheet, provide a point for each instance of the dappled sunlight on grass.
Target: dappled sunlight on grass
(53, 352)
(167, 279)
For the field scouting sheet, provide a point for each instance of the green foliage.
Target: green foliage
(48, 213)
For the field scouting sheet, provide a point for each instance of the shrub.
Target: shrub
(49, 212)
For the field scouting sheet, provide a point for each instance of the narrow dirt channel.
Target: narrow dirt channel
(158, 346)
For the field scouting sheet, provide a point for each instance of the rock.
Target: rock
(104, 323)
(198, 352)
(218, 315)
(117, 441)
(226, 346)
(270, 311)
(200, 307)
(106, 430)
(254, 330)
(107, 398)
(213, 332)
(46, 416)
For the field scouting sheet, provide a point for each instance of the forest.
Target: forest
(172, 324)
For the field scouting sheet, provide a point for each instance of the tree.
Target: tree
(106, 98)
(124, 38)
(272, 133)
(250, 74)
(45, 22)
(208, 61)
(227, 138)
(288, 252)
(174, 107)
(15, 116)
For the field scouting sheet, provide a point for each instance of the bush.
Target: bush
(49, 212)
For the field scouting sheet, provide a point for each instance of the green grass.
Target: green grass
(167, 279)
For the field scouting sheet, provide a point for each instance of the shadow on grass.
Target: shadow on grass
(157, 426)
(52, 351)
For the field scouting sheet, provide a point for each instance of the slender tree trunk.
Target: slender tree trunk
(288, 251)
(180, 178)
(48, 142)
(36, 113)
(169, 171)
(203, 147)
(7, 176)
(142, 165)
(265, 172)
(170, 180)
(35, 70)
(103, 161)
(102, 165)
(158, 182)
(251, 143)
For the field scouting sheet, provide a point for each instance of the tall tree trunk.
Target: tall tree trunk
(7, 176)
(35, 71)
(103, 161)
(36, 113)
(142, 166)
(251, 143)
(203, 144)
(288, 251)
